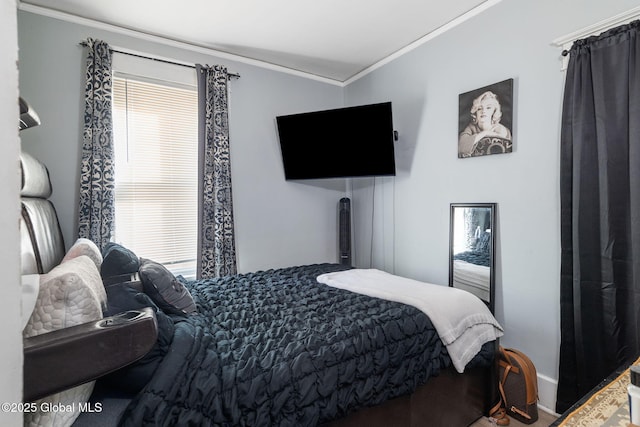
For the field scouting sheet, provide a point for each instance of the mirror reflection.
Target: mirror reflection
(472, 238)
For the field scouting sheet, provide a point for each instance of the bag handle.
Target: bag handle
(498, 412)
(505, 360)
(502, 381)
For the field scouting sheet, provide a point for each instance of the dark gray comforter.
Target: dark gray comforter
(278, 348)
(474, 257)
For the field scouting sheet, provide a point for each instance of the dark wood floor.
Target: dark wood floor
(544, 420)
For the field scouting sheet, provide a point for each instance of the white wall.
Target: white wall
(278, 223)
(510, 40)
(10, 295)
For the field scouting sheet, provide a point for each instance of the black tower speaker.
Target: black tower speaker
(344, 230)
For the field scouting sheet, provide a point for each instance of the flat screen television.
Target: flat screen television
(343, 142)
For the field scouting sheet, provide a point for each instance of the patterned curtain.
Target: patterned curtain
(96, 210)
(216, 237)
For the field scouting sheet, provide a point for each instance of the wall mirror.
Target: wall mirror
(471, 249)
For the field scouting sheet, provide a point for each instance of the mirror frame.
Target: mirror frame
(492, 259)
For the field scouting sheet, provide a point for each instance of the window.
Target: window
(155, 126)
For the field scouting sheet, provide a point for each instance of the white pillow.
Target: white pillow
(70, 294)
(86, 247)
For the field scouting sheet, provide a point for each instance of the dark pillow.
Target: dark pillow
(164, 289)
(117, 260)
(132, 378)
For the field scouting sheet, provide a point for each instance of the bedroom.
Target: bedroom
(411, 222)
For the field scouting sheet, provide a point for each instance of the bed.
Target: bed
(274, 347)
(471, 272)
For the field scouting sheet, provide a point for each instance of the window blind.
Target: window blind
(156, 151)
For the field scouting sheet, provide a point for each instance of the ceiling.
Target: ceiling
(331, 39)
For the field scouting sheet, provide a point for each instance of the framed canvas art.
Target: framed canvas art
(485, 120)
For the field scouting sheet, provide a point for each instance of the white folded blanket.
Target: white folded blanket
(462, 320)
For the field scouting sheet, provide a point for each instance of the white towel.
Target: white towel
(462, 320)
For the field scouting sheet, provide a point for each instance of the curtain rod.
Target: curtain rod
(165, 61)
(565, 42)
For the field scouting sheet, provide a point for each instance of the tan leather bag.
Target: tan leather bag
(518, 384)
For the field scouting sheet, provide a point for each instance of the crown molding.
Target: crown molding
(52, 13)
(424, 39)
(63, 16)
(565, 42)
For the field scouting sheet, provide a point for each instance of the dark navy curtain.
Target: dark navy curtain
(216, 236)
(600, 211)
(96, 205)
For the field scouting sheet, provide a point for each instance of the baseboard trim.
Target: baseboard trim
(547, 392)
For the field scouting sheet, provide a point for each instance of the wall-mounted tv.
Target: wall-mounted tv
(343, 142)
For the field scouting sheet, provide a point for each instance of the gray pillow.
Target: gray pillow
(164, 289)
(118, 260)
